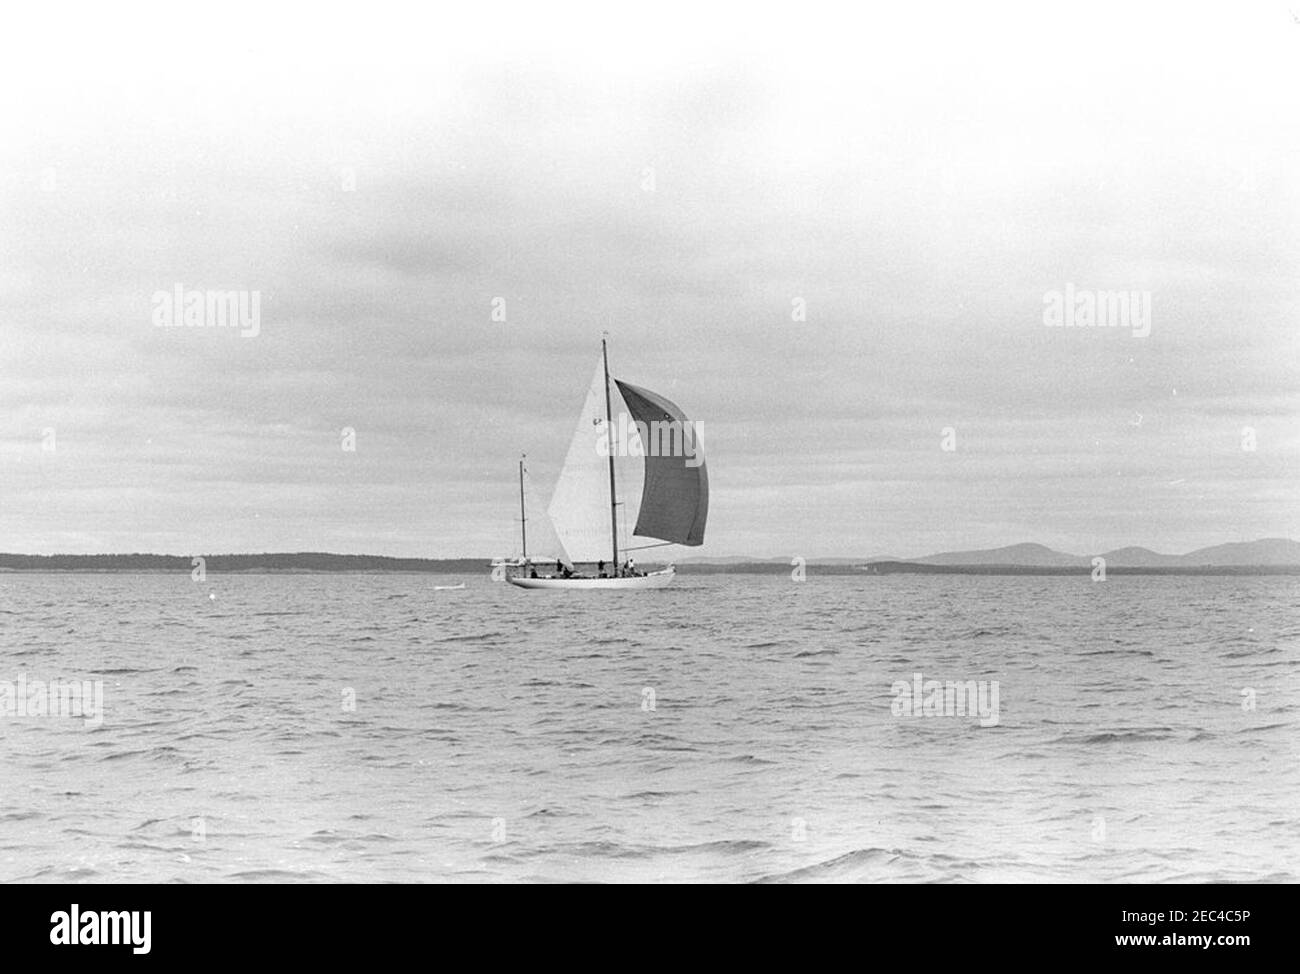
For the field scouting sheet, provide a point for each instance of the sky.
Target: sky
(830, 234)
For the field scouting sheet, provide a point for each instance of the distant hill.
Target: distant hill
(1267, 551)
(1030, 555)
(1135, 557)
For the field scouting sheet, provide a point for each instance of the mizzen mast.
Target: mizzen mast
(523, 517)
(609, 437)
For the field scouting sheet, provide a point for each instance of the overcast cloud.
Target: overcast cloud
(920, 182)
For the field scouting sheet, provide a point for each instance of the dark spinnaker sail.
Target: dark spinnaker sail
(675, 499)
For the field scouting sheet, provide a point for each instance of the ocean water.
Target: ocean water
(367, 728)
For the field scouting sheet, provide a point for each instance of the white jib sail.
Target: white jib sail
(580, 506)
(543, 543)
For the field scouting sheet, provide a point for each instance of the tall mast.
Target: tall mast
(609, 436)
(523, 518)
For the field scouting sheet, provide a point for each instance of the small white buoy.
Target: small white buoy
(212, 595)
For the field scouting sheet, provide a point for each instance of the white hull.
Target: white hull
(653, 580)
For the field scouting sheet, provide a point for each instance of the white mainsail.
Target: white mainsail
(580, 505)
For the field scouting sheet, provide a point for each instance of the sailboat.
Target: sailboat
(580, 527)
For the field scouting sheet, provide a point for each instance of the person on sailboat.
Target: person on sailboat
(600, 567)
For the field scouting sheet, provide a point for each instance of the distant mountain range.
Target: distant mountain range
(1265, 552)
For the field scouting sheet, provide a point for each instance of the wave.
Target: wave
(1119, 736)
(849, 866)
